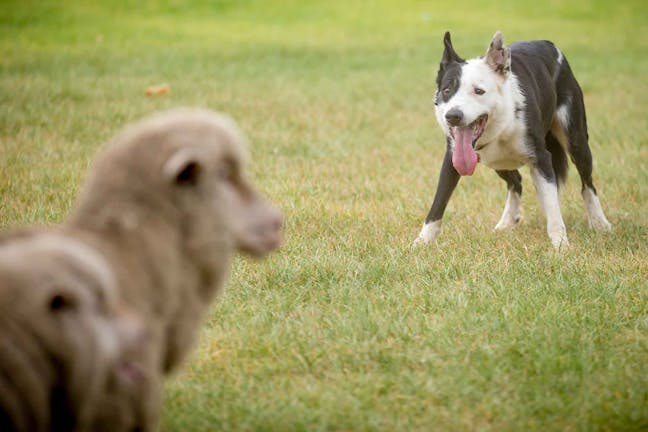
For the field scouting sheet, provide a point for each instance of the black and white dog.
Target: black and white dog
(515, 106)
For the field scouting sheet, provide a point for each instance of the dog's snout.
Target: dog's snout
(272, 222)
(454, 116)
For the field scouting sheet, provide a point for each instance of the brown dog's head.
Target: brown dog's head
(186, 170)
(62, 334)
(207, 172)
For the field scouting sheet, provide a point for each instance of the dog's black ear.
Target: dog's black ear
(449, 54)
(498, 56)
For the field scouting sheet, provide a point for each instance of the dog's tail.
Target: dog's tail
(558, 158)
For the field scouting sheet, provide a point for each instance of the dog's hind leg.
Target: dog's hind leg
(511, 215)
(448, 179)
(582, 158)
(570, 125)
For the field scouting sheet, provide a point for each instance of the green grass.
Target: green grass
(347, 327)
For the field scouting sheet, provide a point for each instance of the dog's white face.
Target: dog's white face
(476, 94)
(467, 98)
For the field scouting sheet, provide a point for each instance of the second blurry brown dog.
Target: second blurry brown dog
(68, 351)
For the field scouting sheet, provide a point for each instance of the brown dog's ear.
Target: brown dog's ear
(61, 301)
(498, 57)
(183, 168)
(449, 54)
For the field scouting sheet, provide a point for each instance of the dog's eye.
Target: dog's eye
(446, 91)
(479, 91)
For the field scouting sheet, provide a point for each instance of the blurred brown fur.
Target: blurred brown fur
(64, 341)
(168, 204)
(163, 211)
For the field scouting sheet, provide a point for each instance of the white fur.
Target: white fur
(511, 215)
(562, 113)
(548, 197)
(476, 73)
(559, 60)
(595, 216)
(429, 232)
(559, 125)
(502, 144)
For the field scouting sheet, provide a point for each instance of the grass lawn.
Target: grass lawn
(348, 327)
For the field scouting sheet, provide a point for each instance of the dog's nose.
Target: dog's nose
(454, 116)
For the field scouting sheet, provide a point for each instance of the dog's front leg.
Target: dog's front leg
(511, 215)
(547, 190)
(448, 179)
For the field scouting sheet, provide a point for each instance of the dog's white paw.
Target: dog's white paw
(599, 223)
(595, 216)
(419, 241)
(560, 244)
(429, 233)
(558, 237)
(507, 222)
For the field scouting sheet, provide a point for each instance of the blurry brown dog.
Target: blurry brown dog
(168, 205)
(164, 209)
(64, 342)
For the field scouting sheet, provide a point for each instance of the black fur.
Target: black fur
(448, 179)
(558, 158)
(535, 64)
(547, 84)
(513, 180)
(449, 74)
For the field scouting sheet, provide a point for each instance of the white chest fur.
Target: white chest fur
(506, 152)
(503, 144)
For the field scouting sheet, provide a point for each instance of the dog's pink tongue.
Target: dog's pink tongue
(464, 157)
